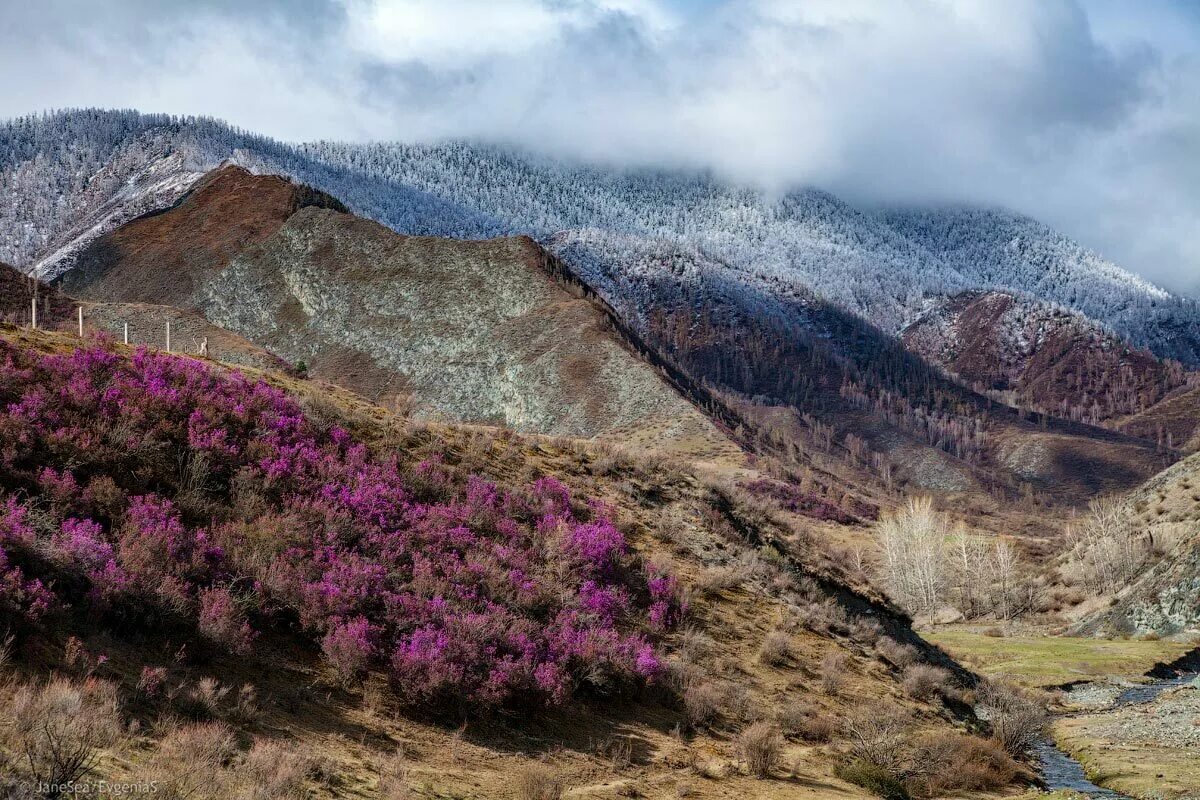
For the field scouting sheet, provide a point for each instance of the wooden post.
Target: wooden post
(81, 322)
(126, 333)
(168, 336)
(34, 318)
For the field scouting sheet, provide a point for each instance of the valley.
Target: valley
(471, 474)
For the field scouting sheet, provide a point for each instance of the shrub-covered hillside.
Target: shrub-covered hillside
(153, 492)
(413, 610)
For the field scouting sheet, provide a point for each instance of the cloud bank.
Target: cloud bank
(1083, 114)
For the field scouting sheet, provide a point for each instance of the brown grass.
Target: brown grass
(761, 746)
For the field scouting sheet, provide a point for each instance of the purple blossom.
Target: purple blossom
(460, 591)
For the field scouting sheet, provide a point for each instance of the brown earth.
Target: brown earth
(1046, 359)
(164, 257)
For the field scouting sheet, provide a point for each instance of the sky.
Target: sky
(1082, 113)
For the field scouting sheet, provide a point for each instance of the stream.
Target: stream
(1061, 771)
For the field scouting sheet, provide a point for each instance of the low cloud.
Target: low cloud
(1084, 114)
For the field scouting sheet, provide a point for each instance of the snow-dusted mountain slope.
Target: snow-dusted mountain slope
(883, 265)
(625, 231)
(67, 178)
(992, 248)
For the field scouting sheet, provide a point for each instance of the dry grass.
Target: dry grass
(539, 782)
(776, 649)
(761, 747)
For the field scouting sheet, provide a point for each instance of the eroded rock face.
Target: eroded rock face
(473, 330)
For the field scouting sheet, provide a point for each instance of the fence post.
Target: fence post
(34, 318)
(168, 336)
(81, 322)
(127, 333)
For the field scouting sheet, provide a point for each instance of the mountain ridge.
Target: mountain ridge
(881, 264)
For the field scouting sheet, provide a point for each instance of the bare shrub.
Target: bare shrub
(273, 771)
(926, 682)
(714, 580)
(539, 782)
(807, 723)
(897, 654)
(761, 747)
(245, 706)
(953, 763)
(59, 727)
(879, 738)
(393, 777)
(776, 649)
(865, 631)
(702, 702)
(874, 779)
(694, 643)
(204, 700)
(833, 673)
(191, 760)
(1017, 721)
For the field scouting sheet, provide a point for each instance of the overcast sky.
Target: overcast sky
(1083, 113)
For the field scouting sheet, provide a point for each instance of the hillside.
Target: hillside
(562, 605)
(1162, 595)
(468, 331)
(1039, 357)
(1175, 420)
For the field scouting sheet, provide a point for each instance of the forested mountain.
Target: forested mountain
(1043, 357)
(624, 228)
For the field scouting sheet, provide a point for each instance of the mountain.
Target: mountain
(475, 331)
(883, 265)
(997, 249)
(732, 290)
(1041, 357)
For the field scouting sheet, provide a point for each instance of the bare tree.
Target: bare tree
(913, 546)
(1107, 548)
(1005, 563)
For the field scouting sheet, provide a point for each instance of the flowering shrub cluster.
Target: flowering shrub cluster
(797, 501)
(156, 490)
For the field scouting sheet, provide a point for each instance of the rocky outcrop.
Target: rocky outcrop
(472, 330)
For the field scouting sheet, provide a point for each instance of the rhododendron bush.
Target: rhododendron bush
(156, 491)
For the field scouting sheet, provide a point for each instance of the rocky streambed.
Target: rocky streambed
(1123, 739)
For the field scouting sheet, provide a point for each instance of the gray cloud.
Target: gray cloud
(1084, 114)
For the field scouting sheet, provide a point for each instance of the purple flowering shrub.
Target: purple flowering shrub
(462, 591)
(797, 501)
